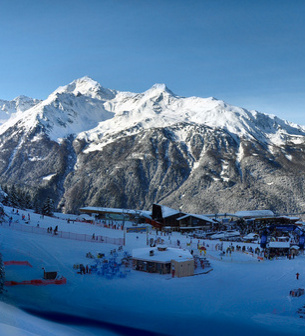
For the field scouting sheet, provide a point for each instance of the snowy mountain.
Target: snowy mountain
(15, 106)
(87, 145)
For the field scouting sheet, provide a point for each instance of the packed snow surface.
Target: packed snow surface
(240, 293)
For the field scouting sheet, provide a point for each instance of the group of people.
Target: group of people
(50, 230)
(23, 216)
(84, 269)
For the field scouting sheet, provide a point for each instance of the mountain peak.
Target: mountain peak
(23, 98)
(88, 87)
(159, 88)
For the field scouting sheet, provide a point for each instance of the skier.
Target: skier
(297, 276)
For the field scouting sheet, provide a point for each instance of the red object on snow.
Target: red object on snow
(37, 282)
(153, 223)
(15, 262)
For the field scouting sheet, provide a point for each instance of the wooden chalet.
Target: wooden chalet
(166, 217)
(194, 221)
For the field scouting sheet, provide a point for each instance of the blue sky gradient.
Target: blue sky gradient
(248, 53)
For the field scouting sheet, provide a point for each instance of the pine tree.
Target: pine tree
(21, 198)
(28, 201)
(14, 199)
(48, 207)
(37, 206)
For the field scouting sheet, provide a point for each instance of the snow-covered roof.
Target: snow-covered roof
(291, 218)
(116, 211)
(251, 236)
(85, 216)
(203, 217)
(167, 212)
(161, 256)
(255, 213)
(277, 244)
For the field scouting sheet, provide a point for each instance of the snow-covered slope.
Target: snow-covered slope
(240, 296)
(15, 106)
(159, 107)
(87, 110)
(68, 110)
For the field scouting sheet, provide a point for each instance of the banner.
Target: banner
(136, 229)
(263, 241)
(37, 282)
(302, 242)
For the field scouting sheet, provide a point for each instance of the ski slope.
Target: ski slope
(240, 293)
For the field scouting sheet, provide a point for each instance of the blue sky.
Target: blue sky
(248, 53)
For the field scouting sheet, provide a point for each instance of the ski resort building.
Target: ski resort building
(193, 222)
(171, 219)
(166, 216)
(137, 216)
(163, 260)
(255, 214)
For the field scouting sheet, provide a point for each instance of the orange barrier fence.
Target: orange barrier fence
(37, 282)
(15, 262)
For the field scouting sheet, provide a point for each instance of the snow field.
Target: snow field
(240, 292)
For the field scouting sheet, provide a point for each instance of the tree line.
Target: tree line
(19, 198)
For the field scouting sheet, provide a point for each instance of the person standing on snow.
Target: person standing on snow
(173, 271)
